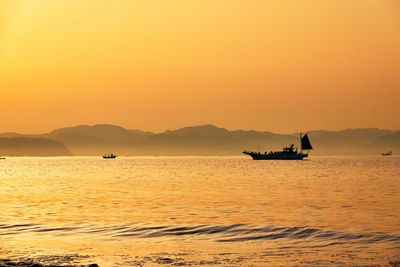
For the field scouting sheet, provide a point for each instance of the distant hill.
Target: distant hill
(212, 140)
(390, 141)
(12, 134)
(98, 139)
(98, 134)
(204, 130)
(26, 146)
(354, 141)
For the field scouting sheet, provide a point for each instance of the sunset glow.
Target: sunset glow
(280, 66)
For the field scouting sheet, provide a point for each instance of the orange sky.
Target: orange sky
(277, 65)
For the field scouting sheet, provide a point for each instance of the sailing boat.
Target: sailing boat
(388, 153)
(287, 153)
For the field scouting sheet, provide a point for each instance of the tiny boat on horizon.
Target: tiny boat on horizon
(109, 156)
(387, 153)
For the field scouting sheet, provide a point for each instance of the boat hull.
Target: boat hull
(291, 156)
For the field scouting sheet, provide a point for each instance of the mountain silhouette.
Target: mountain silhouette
(211, 140)
(98, 139)
(28, 146)
(207, 130)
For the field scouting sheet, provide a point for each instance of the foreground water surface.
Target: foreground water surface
(224, 211)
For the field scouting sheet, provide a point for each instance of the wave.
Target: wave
(217, 233)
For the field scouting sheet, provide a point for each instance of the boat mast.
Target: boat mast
(301, 147)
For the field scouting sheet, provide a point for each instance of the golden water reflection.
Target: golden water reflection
(131, 210)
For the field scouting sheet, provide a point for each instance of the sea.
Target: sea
(201, 211)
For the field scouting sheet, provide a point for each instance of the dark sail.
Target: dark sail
(305, 143)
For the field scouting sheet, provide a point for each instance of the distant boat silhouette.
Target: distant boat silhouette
(109, 156)
(288, 153)
(387, 153)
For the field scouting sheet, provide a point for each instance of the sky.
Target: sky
(275, 65)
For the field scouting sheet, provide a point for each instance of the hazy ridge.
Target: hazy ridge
(195, 140)
(32, 146)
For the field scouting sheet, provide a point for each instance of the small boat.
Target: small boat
(287, 153)
(387, 153)
(109, 156)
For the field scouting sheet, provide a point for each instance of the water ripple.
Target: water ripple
(217, 233)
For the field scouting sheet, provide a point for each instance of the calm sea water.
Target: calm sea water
(228, 211)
